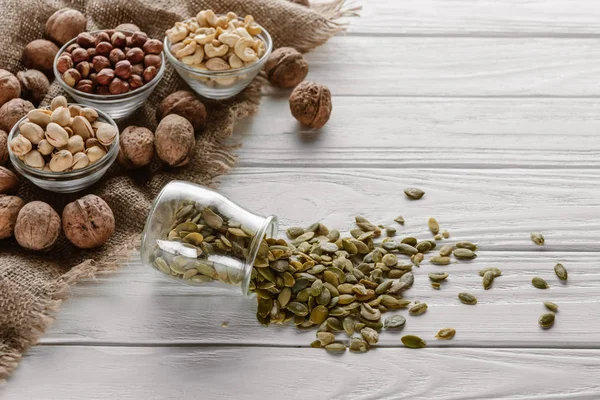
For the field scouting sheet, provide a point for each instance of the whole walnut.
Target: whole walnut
(39, 55)
(37, 226)
(12, 112)
(184, 104)
(9, 87)
(88, 222)
(305, 3)
(136, 147)
(34, 85)
(9, 210)
(64, 25)
(174, 140)
(310, 104)
(8, 181)
(286, 67)
(3, 147)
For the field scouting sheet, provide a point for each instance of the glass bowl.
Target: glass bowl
(199, 237)
(70, 181)
(219, 85)
(118, 105)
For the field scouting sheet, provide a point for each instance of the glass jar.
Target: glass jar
(199, 237)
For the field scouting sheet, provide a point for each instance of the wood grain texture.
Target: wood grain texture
(133, 373)
(443, 133)
(442, 66)
(540, 18)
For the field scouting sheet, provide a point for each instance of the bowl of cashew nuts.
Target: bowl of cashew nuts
(218, 55)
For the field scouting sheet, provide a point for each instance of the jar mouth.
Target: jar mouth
(269, 228)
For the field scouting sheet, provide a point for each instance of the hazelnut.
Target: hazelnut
(93, 77)
(150, 73)
(39, 55)
(72, 47)
(138, 39)
(88, 222)
(152, 60)
(92, 53)
(100, 62)
(37, 226)
(8, 181)
(175, 140)
(123, 69)
(63, 63)
(184, 104)
(80, 55)
(86, 40)
(64, 25)
(101, 37)
(9, 87)
(71, 77)
(138, 69)
(12, 111)
(136, 147)
(153, 46)
(85, 85)
(128, 28)
(34, 85)
(118, 86)
(105, 76)
(104, 48)
(84, 69)
(310, 104)
(286, 67)
(116, 55)
(109, 32)
(135, 55)
(102, 90)
(118, 39)
(9, 210)
(135, 82)
(3, 147)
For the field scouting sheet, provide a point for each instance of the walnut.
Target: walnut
(88, 222)
(136, 147)
(8, 181)
(3, 147)
(286, 67)
(310, 104)
(9, 209)
(185, 104)
(34, 85)
(64, 25)
(12, 112)
(305, 3)
(175, 140)
(37, 226)
(9, 87)
(39, 55)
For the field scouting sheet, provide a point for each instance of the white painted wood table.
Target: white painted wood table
(492, 107)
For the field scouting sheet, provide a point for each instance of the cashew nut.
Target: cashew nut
(243, 49)
(187, 50)
(201, 18)
(193, 26)
(206, 37)
(176, 47)
(215, 51)
(177, 33)
(230, 39)
(226, 81)
(259, 47)
(231, 16)
(235, 62)
(251, 27)
(195, 58)
(242, 32)
(213, 20)
(217, 64)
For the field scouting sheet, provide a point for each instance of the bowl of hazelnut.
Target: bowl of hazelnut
(218, 55)
(64, 148)
(113, 71)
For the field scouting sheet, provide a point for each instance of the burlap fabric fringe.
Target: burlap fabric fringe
(32, 286)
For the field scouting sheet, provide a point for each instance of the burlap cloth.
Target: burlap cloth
(32, 286)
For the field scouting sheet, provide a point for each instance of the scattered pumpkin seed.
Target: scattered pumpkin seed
(394, 322)
(561, 272)
(418, 309)
(438, 276)
(539, 283)
(434, 227)
(413, 342)
(370, 335)
(551, 306)
(495, 270)
(467, 298)
(446, 334)
(439, 260)
(546, 320)
(488, 278)
(446, 234)
(325, 338)
(335, 347)
(464, 254)
(414, 193)
(358, 346)
(399, 220)
(466, 245)
(436, 285)
(537, 238)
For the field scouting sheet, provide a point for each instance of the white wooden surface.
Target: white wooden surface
(492, 108)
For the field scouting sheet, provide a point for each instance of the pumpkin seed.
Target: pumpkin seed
(436, 285)
(464, 254)
(316, 344)
(488, 278)
(414, 193)
(539, 283)
(212, 219)
(467, 298)
(446, 334)
(438, 276)
(466, 245)
(390, 260)
(284, 297)
(335, 347)
(406, 249)
(438, 237)
(329, 247)
(394, 322)
(298, 308)
(537, 238)
(423, 247)
(294, 232)
(334, 324)
(370, 335)
(495, 270)
(413, 342)
(439, 260)
(399, 220)
(446, 250)
(551, 306)
(384, 287)
(390, 230)
(348, 325)
(446, 234)
(411, 241)
(358, 346)
(546, 320)
(561, 272)
(418, 309)
(319, 314)
(434, 227)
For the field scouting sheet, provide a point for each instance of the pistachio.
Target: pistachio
(82, 127)
(40, 117)
(33, 132)
(20, 145)
(61, 161)
(57, 102)
(61, 116)
(45, 148)
(95, 153)
(56, 135)
(75, 144)
(34, 159)
(106, 134)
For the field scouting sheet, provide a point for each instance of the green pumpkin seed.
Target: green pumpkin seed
(408, 278)
(334, 324)
(348, 325)
(328, 247)
(434, 227)
(335, 347)
(264, 307)
(298, 308)
(546, 320)
(349, 247)
(551, 306)
(162, 265)
(284, 297)
(334, 235)
(294, 232)
(418, 309)
(537, 238)
(438, 237)
(438, 276)
(561, 272)
(390, 230)
(399, 220)
(467, 298)
(446, 334)
(394, 322)
(495, 270)
(414, 193)
(390, 260)
(358, 346)
(411, 241)
(539, 283)
(325, 338)
(446, 250)
(439, 260)
(423, 247)
(436, 285)
(407, 249)
(316, 287)
(319, 314)
(488, 278)
(446, 234)
(413, 342)
(370, 335)
(464, 254)
(212, 219)
(316, 344)
(383, 287)
(466, 245)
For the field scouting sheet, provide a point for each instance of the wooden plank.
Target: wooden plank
(480, 18)
(428, 132)
(139, 306)
(441, 66)
(273, 373)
